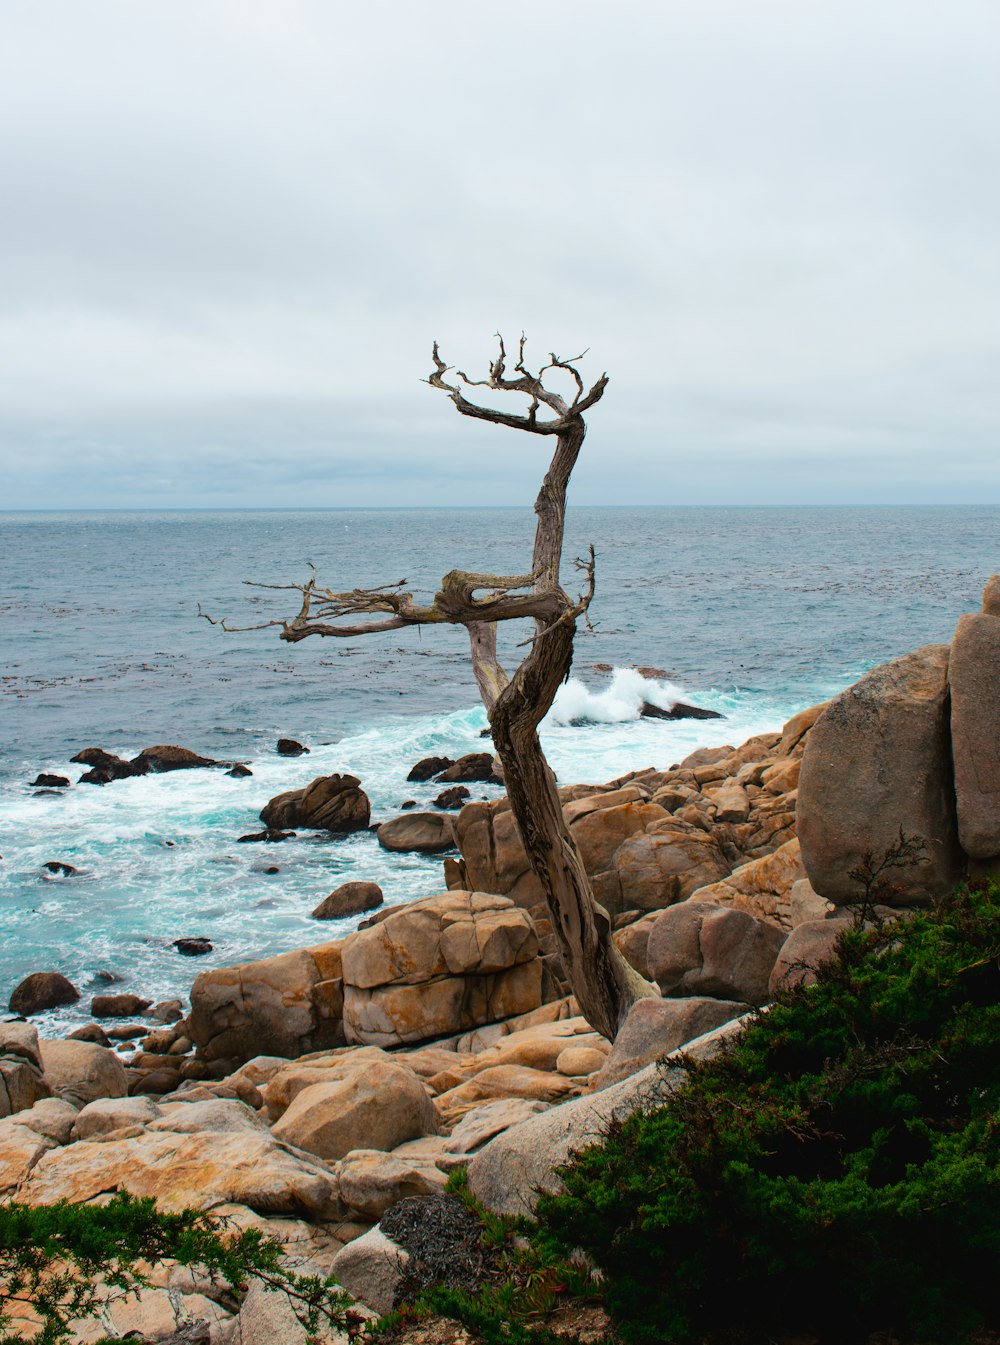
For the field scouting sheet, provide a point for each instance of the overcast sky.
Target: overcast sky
(230, 230)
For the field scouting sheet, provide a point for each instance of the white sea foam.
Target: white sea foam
(158, 857)
(617, 703)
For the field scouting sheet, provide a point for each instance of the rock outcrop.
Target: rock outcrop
(441, 965)
(284, 1005)
(42, 990)
(878, 766)
(331, 803)
(974, 678)
(700, 948)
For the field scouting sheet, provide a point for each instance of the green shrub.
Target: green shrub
(834, 1174)
(66, 1260)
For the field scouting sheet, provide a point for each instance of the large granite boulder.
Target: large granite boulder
(440, 966)
(974, 676)
(417, 833)
(657, 1027)
(374, 1104)
(699, 948)
(21, 1070)
(349, 899)
(42, 990)
(667, 864)
(762, 888)
(80, 1071)
(877, 764)
(331, 803)
(285, 1005)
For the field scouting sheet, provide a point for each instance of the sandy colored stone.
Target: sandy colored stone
(478, 1126)
(20, 1149)
(417, 833)
(762, 887)
(700, 948)
(666, 865)
(579, 1061)
(808, 945)
(108, 1114)
(731, 802)
(782, 775)
(508, 1173)
(282, 1006)
(51, 1117)
(80, 1071)
(389, 1015)
(505, 1081)
(600, 832)
(200, 1170)
(632, 942)
(374, 1106)
(657, 1027)
(328, 1067)
(372, 1181)
(974, 677)
(795, 733)
(805, 904)
(370, 1268)
(878, 760)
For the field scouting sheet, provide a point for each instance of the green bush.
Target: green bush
(834, 1174)
(65, 1261)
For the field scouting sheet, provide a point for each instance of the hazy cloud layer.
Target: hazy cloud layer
(231, 229)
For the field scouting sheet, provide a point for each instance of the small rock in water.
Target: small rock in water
(118, 1006)
(239, 771)
(473, 766)
(105, 977)
(678, 711)
(410, 803)
(452, 798)
(44, 781)
(42, 990)
(166, 1011)
(429, 767)
(91, 1032)
(193, 947)
(288, 747)
(124, 1034)
(168, 758)
(271, 835)
(57, 866)
(349, 899)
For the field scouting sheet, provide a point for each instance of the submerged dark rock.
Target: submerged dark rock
(239, 771)
(678, 711)
(44, 781)
(57, 866)
(288, 747)
(271, 835)
(193, 947)
(452, 798)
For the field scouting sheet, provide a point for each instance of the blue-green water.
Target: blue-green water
(755, 612)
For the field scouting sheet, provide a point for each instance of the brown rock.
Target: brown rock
(391, 1014)
(417, 833)
(118, 1006)
(165, 758)
(42, 990)
(452, 798)
(472, 767)
(288, 747)
(372, 1181)
(451, 934)
(991, 596)
(429, 767)
(666, 865)
(656, 1027)
(80, 1071)
(349, 899)
(808, 945)
(731, 802)
(331, 803)
(579, 1061)
(877, 762)
(762, 888)
(201, 1170)
(633, 941)
(795, 732)
(376, 1105)
(698, 948)
(284, 1005)
(974, 675)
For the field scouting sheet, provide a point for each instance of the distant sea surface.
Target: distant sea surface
(753, 612)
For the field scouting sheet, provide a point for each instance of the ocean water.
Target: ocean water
(755, 613)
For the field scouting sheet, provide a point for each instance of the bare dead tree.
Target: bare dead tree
(602, 981)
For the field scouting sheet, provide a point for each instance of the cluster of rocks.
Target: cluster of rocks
(309, 1094)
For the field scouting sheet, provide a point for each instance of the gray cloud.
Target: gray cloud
(231, 229)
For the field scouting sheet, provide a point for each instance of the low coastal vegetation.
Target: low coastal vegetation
(832, 1177)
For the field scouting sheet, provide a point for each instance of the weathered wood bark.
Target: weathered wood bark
(602, 981)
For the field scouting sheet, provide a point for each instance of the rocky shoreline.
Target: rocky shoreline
(308, 1094)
